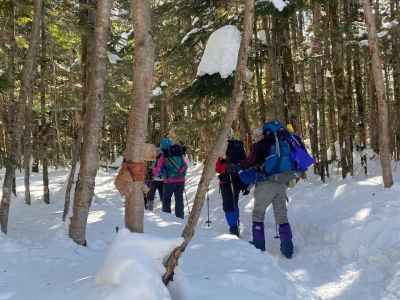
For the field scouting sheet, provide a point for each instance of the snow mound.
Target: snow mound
(132, 254)
(221, 53)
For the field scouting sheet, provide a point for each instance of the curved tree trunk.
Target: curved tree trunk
(384, 137)
(219, 145)
(137, 125)
(92, 128)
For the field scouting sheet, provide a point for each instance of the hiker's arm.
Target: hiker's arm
(220, 166)
(250, 161)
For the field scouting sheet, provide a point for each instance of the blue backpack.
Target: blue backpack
(280, 158)
(287, 153)
(175, 165)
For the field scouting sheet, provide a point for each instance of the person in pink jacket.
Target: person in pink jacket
(172, 166)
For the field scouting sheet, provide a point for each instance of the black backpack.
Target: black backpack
(175, 150)
(235, 152)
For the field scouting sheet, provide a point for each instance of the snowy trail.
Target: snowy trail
(346, 233)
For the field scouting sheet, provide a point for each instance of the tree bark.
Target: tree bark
(396, 81)
(373, 111)
(383, 115)
(272, 33)
(219, 145)
(259, 78)
(318, 74)
(43, 125)
(26, 91)
(137, 124)
(92, 128)
(359, 98)
(338, 77)
(288, 80)
(87, 21)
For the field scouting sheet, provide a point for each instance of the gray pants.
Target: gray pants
(271, 191)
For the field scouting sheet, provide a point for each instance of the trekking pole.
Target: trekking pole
(187, 203)
(208, 222)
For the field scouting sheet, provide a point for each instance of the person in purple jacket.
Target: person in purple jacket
(269, 189)
(172, 166)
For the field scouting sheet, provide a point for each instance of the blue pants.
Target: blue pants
(230, 203)
(177, 190)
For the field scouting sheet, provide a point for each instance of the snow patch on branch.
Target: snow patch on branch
(221, 53)
(279, 4)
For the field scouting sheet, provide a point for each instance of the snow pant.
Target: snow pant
(155, 185)
(177, 190)
(230, 203)
(272, 191)
(267, 192)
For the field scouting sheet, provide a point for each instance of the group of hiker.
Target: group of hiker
(277, 158)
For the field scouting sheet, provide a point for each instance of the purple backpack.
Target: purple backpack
(299, 154)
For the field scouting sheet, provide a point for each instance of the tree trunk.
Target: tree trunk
(70, 181)
(87, 20)
(288, 80)
(272, 33)
(26, 91)
(373, 111)
(28, 148)
(384, 137)
(360, 99)
(245, 126)
(219, 145)
(92, 128)
(396, 82)
(259, 77)
(338, 77)
(137, 125)
(43, 124)
(318, 73)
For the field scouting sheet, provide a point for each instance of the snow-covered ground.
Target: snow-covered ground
(346, 233)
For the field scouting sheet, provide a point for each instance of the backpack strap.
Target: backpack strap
(171, 160)
(173, 163)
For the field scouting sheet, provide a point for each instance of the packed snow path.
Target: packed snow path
(346, 233)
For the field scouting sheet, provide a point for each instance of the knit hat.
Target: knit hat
(165, 143)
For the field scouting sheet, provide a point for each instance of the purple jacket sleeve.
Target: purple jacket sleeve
(159, 165)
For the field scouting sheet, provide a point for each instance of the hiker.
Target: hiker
(230, 183)
(155, 183)
(172, 166)
(276, 159)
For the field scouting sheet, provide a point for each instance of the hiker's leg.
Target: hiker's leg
(263, 196)
(178, 193)
(150, 195)
(168, 190)
(279, 203)
(280, 213)
(228, 205)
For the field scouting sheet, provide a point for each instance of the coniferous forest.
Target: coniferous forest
(87, 85)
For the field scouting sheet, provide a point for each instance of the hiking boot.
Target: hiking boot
(285, 234)
(234, 230)
(258, 236)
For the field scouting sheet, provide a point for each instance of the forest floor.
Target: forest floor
(346, 234)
